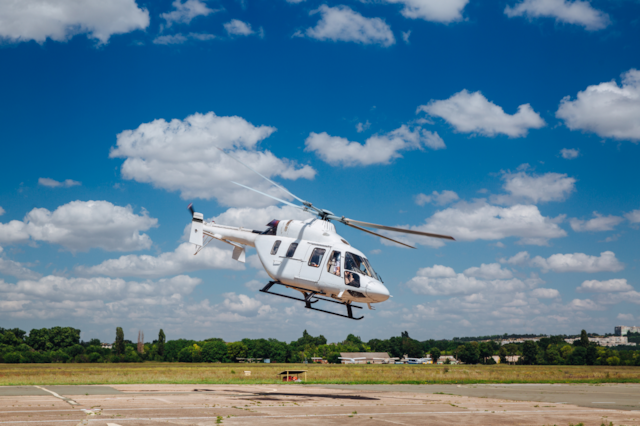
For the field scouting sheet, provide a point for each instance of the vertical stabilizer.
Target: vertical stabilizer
(196, 229)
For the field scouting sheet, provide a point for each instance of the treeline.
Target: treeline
(63, 345)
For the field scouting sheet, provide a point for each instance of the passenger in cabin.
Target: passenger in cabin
(351, 279)
(333, 266)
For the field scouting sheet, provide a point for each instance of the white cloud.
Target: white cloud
(181, 155)
(633, 216)
(241, 303)
(181, 260)
(545, 293)
(489, 272)
(584, 304)
(236, 27)
(361, 127)
(60, 20)
(569, 153)
(258, 218)
(473, 113)
(183, 13)
(378, 149)
(79, 226)
(609, 110)
(535, 188)
(432, 10)
(341, 23)
(16, 269)
(442, 280)
(181, 38)
(578, 262)
(520, 258)
(406, 35)
(612, 285)
(599, 223)
(569, 12)
(441, 199)
(2, 211)
(48, 182)
(482, 221)
(625, 317)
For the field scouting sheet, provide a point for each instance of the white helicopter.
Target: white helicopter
(306, 256)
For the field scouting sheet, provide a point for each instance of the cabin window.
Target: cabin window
(291, 250)
(351, 279)
(316, 257)
(276, 246)
(356, 294)
(357, 263)
(333, 266)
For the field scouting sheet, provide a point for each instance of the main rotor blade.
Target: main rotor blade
(379, 235)
(268, 195)
(277, 185)
(399, 230)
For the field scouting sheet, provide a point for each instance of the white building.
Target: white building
(623, 330)
(605, 341)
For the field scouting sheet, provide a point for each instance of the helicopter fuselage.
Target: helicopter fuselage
(307, 255)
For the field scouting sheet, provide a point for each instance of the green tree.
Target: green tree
(578, 357)
(584, 339)
(592, 354)
(214, 351)
(530, 352)
(161, 339)
(9, 338)
(502, 352)
(236, 350)
(184, 355)
(486, 351)
(435, 354)
(119, 344)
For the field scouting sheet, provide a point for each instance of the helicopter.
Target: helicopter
(308, 256)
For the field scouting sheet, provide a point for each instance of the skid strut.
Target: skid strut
(310, 297)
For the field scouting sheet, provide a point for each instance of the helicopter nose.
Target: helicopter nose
(377, 292)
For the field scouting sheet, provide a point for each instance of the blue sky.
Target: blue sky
(511, 125)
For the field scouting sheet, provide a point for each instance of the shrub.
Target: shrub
(95, 357)
(12, 357)
(81, 358)
(59, 356)
(132, 357)
(185, 355)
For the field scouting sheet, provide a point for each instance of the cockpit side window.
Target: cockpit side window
(333, 266)
(357, 263)
(316, 257)
(292, 250)
(276, 246)
(352, 279)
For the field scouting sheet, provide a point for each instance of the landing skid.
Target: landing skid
(310, 297)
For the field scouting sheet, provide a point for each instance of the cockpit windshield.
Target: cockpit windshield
(359, 264)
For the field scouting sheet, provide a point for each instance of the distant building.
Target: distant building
(368, 358)
(518, 340)
(605, 341)
(319, 360)
(622, 331)
(106, 345)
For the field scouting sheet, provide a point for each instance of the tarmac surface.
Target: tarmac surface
(287, 404)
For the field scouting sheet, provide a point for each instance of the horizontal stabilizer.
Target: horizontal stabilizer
(239, 253)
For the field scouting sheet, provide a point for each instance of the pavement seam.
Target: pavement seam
(66, 399)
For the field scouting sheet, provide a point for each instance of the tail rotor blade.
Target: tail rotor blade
(190, 207)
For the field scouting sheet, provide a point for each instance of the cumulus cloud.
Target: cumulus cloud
(483, 221)
(473, 113)
(60, 20)
(569, 153)
(182, 155)
(633, 216)
(575, 12)
(48, 182)
(524, 187)
(441, 199)
(545, 293)
(2, 211)
(625, 317)
(443, 280)
(182, 38)
(181, 260)
(612, 285)
(183, 13)
(432, 10)
(235, 27)
(520, 258)
(79, 226)
(584, 304)
(608, 110)
(16, 269)
(341, 23)
(598, 223)
(489, 271)
(578, 262)
(361, 127)
(378, 149)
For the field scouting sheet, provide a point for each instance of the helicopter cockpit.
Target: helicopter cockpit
(273, 228)
(360, 265)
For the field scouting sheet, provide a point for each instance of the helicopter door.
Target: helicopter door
(312, 264)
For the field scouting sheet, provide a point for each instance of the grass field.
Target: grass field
(188, 373)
